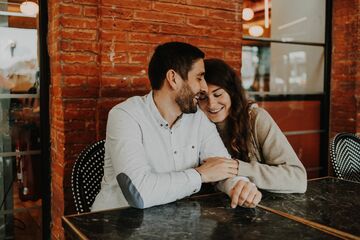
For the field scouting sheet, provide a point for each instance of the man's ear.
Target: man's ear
(172, 79)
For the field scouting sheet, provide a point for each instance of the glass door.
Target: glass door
(20, 146)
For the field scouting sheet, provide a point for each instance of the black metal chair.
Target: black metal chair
(345, 156)
(86, 176)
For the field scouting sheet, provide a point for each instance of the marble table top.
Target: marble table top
(207, 217)
(328, 201)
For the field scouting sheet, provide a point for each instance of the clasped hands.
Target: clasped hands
(243, 193)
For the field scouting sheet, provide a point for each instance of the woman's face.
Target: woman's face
(216, 104)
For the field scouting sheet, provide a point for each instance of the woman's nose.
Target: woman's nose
(211, 101)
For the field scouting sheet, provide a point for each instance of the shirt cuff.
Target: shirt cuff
(227, 185)
(194, 180)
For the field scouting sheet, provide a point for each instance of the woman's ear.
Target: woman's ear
(172, 79)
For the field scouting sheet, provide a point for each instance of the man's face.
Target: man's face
(188, 95)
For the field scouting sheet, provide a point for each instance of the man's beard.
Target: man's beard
(185, 99)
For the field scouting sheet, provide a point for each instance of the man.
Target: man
(154, 143)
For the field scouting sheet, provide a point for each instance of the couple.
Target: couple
(160, 148)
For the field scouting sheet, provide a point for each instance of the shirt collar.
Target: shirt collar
(155, 111)
(156, 114)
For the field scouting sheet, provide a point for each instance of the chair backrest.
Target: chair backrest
(345, 156)
(86, 176)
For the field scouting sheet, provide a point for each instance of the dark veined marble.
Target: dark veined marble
(328, 201)
(199, 218)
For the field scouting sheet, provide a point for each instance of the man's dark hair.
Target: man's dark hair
(178, 56)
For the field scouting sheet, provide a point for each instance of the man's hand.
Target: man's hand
(217, 168)
(245, 194)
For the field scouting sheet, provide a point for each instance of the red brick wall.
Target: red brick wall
(345, 73)
(99, 51)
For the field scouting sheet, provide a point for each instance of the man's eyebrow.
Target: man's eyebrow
(201, 74)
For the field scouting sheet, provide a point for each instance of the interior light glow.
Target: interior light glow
(256, 31)
(247, 14)
(29, 8)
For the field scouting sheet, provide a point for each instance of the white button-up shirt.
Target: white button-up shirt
(152, 163)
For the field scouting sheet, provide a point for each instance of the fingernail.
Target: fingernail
(233, 206)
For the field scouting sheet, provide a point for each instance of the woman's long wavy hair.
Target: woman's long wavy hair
(219, 73)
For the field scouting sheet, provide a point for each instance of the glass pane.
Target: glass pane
(24, 224)
(280, 68)
(22, 175)
(20, 124)
(286, 20)
(6, 191)
(25, 124)
(20, 161)
(18, 59)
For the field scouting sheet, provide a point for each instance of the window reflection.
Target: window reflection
(282, 68)
(285, 20)
(20, 162)
(255, 70)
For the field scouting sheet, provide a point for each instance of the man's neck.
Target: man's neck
(167, 106)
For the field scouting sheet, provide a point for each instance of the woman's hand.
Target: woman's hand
(217, 168)
(245, 194)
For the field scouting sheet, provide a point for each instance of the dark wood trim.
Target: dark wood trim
(44, 119)
(75, 233)
(270, 40)
(288, 97)
(325, 114)
(321, 227)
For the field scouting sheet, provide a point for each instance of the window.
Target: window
(20, 141)
(283, 69)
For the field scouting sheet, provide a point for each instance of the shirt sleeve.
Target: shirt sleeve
(141, 186)
(211, 143)
(213, 146)
(281, 171)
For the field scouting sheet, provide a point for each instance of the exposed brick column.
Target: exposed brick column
(345, 74)
(99, 52)
(74, 51)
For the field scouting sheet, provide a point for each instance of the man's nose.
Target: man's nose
(203, 86)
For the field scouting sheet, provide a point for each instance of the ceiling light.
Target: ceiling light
(29, 8)
(256, 31)
(247, 14)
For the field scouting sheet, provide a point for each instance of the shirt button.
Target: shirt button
(175, 152)
(161, 125)
(192, 147)
(194, 191)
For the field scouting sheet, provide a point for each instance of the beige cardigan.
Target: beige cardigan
(275, 166)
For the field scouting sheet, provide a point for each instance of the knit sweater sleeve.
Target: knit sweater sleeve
(280, 170)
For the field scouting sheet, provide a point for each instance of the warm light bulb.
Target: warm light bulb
(247, 14)
(29, 8)
(256, 31)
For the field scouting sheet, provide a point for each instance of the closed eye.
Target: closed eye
(203, 96)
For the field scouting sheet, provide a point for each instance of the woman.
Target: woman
(250, 134)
